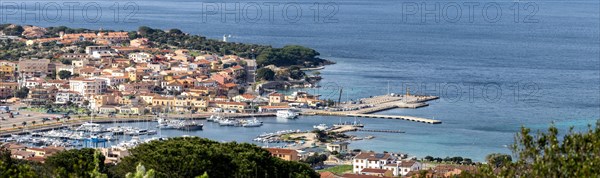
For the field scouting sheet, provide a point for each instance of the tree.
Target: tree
(498, 159)
(141, 172)
(24, 123)
(546, 155)
(315, 159)
(63, 74)
(13, 168)
(23, 92)
(33, 122)
(428, 158)
(205, 175)
(75, 163)
(67, 61)
(97, 162)
(51, 76)
(265, 74)
(194, 156)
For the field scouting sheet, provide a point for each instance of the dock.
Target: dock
(375, 130)
(408, 118)
(371, 105)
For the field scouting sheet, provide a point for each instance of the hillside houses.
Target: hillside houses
(113, 77)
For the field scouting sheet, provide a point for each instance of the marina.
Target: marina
(264, 129)
(367, 106)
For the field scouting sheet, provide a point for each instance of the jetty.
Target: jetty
(367, 106)
(408, 118)
(375, 130)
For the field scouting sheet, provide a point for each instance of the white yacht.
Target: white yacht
(321, 127)
(213, 118)
(164, 123)
(227, 122)
(90, 127)
(288, 114)
(252, 123)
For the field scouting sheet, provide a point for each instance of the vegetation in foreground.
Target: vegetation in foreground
(177, 157)
(543, 154)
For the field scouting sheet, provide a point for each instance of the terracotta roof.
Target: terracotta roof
(230, 103)
(327, 174)
(230, 85)
(282, 151)
(248, 96)
(407, 163)
(373, 156)
(36, 159)
(275, 94)
(358, 176)
(274, 107)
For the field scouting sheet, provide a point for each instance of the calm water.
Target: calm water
(493, 76)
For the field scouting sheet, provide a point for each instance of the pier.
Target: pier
(374, 130)
(367, 106)
(408, 118)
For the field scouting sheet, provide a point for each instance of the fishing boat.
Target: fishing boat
(252, 123)
(288, 114)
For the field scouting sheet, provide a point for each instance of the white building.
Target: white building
(62, 97)
(403, 167)
(112, 80)
(140, 57)
(371, 160)
(383, 161)
(87, 87)
(98, 52)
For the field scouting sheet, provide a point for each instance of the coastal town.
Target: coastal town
(56, 93)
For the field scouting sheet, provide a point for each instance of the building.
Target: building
(371, 163)
(140, 42)
(340, 147)
(6, 71)
(40, 96)
(404, 167)
(377, 172)
(285, 154)
(371, 160)
(140, 57)
(113, 155)
(87, 87)
(35, 67)
(64, 97)
(237, 106)
(8, 89)
(275, 98)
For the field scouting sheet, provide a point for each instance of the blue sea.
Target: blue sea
(497, 65)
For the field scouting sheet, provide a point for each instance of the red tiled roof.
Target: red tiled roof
(373, 156)
(358, 176)
(282, 151)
